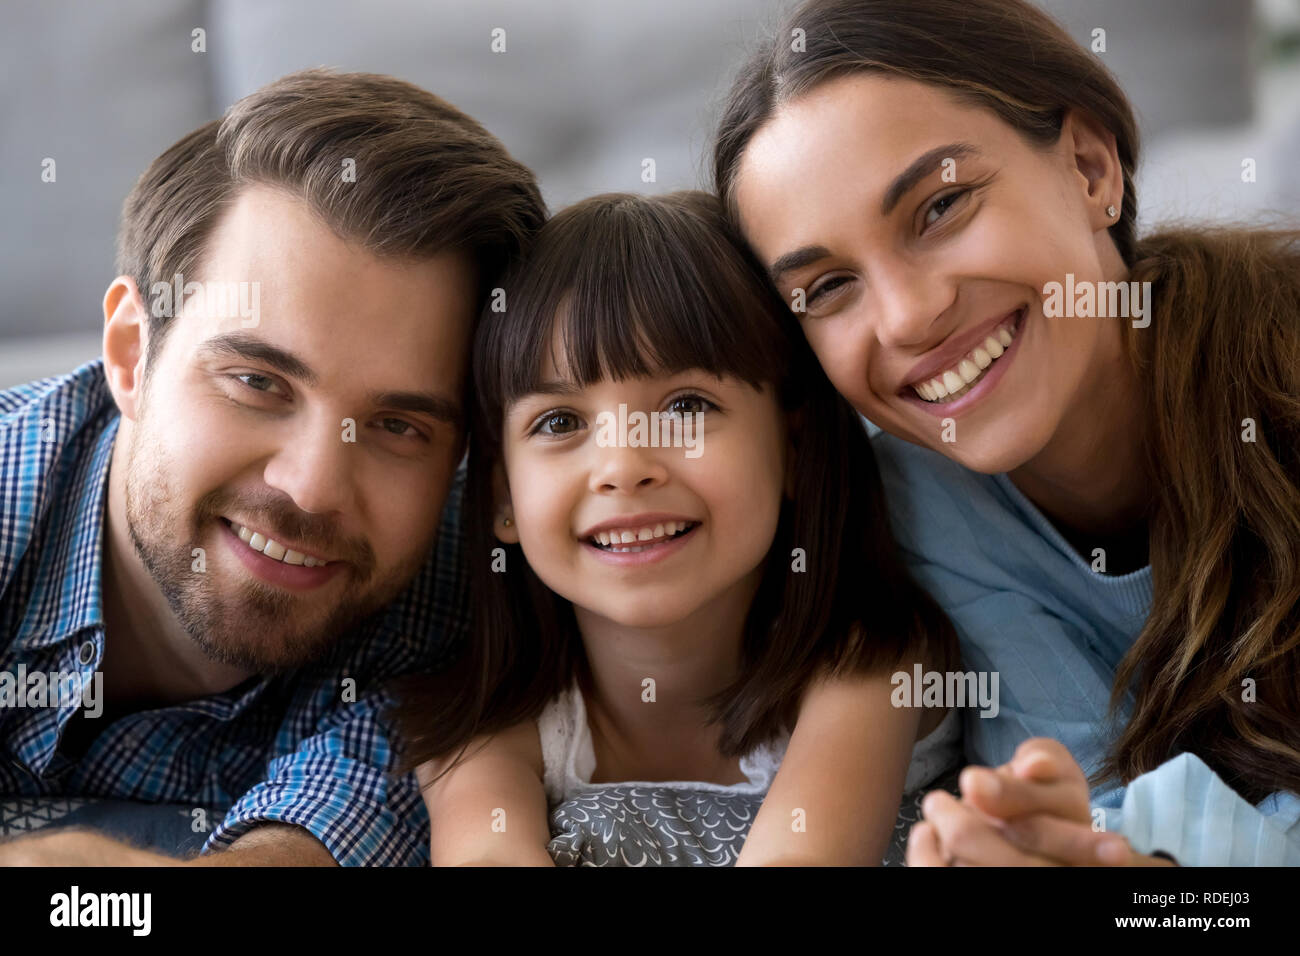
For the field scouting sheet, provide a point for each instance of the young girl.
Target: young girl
(725, 614)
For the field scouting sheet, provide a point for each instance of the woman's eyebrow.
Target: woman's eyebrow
(918, 170)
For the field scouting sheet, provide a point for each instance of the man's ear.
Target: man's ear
(126, 341)
(503, 520)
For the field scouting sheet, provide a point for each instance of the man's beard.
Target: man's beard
(254, 626)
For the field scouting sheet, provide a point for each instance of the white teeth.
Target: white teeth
(274, 549)
(613, 539)
(959, 379)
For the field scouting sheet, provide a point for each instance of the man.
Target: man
(230, 519)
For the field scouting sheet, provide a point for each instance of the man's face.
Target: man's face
(328, 431)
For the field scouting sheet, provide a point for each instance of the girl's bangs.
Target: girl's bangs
(631, 287)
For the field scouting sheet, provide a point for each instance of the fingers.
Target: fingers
(1071, 844)
(1005, 796)
(1043, 759)
(923, 846)
(966, 836)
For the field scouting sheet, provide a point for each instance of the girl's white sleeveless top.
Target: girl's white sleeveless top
(569, 760)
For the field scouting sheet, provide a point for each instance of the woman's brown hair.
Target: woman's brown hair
(1216, 669)
(641, 286)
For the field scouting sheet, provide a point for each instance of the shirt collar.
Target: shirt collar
(67, 595)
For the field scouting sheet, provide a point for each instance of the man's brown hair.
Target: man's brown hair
(384, 163)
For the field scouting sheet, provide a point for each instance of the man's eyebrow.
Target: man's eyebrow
(422, 403)
(920, 168)
(244, 345)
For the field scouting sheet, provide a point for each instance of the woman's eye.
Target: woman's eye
(942, 205)
(829, 285)
(689, 405)
(556, 423)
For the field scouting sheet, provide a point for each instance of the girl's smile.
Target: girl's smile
(639, 539)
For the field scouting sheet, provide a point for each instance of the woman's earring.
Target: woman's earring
(1111, 211)
(506, 521)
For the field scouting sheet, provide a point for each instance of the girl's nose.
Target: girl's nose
(627, 469)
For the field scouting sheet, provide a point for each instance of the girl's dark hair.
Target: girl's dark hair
(645, 286)
(1223, 347)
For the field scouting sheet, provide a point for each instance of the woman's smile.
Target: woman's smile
(965, 381)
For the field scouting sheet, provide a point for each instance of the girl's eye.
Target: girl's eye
(690, 405)
(556, 423)
(829, 285)
(942, 205)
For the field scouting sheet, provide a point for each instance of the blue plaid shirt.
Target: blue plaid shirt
(295, 748)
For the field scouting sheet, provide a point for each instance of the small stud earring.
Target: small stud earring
(1111, 211)
(507, 522)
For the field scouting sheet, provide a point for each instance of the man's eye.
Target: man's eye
(556, 423)
(399, 427)
(258, 383)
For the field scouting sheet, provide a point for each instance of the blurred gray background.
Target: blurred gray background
(585, 90)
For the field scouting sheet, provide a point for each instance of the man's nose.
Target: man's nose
(315, 467)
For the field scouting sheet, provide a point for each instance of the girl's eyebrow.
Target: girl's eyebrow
(554, 387)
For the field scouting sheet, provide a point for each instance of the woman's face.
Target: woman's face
(918, 228)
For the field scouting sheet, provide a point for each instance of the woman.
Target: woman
(1091, 440)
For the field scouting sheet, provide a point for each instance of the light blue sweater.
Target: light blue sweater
(1028, 609)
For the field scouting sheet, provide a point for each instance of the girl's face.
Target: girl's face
(918, 227)
(569, 485)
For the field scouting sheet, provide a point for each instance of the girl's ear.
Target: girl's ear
(503, 522)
